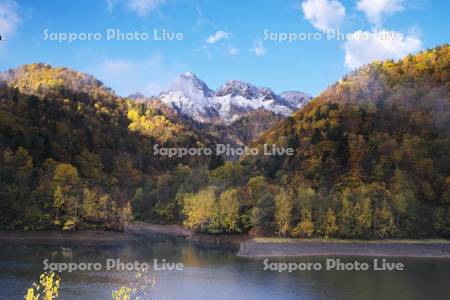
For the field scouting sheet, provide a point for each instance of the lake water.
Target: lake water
(211, 273)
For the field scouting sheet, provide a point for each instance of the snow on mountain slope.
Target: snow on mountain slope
(192, 97)
(296, 99)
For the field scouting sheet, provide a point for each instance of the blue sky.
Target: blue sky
(222, 40)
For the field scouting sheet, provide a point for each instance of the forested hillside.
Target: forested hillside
(73, 154)
(372, 160)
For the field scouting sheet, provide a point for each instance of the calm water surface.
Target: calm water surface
(211, 273)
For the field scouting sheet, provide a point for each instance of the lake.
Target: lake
(211, 273)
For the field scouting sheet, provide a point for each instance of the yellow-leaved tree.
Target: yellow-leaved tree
(47, 288)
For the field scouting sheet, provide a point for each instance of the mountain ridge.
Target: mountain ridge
(192, 97)
(40, 78)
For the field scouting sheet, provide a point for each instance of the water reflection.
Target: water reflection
(212, 273)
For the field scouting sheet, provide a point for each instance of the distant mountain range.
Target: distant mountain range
(191, 96)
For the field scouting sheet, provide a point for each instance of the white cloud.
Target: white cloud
(148, 76)
(219, 35)
(143, 7)
(9, 18)
(258, 48)
(212, 44)
(324, 14)
(376, 9)
(140, 7)
(388, 45)
(232, 50)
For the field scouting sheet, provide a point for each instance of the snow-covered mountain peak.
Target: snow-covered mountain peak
(238, 88)
(267, 93)
(192, 97)
(296, 99)
(190, 85)
(189, 74)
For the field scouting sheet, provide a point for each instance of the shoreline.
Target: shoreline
(219, 240)
(247, 246)
(50, 237)
(142, 228)
(279, 247)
